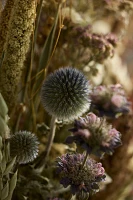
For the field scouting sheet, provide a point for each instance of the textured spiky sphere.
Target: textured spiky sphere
(24, 145)
(65, 94)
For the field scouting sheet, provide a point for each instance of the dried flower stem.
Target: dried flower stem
(41, 161)
(51, 136)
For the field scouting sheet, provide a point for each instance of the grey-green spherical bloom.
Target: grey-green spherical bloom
(24, 145)
(65, 94)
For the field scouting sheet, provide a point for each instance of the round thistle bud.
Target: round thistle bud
(94, 135)
(24, 145)
(65, 94)
(81, 178)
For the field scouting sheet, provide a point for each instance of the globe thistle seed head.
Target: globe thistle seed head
(94, 135)
(109, 100)
(24, 145)
(65, 94)
(80, 178)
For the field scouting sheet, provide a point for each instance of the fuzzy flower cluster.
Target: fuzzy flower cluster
(81, 178)
(101, 46)
(94, 135)
(109, 100)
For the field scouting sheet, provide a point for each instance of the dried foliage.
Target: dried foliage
(66, 100)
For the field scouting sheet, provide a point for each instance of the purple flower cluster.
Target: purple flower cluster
(101, 46)
(109, 100)
(81, 178)
(94, 135)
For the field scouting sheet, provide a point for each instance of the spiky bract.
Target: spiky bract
(65, 93)
(24, 145)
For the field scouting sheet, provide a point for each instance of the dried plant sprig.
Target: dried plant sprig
(109, 100)
(43, 157)
(16, 46)
(24, 145)
(6, 167)
(7, 181)
(101, 45)
(65, 93)
(94, 135)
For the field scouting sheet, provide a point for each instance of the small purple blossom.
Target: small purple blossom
(80, 178)
(109, 100)
(94, 135)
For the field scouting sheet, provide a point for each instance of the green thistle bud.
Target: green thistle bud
(24, 145)
(65, 94)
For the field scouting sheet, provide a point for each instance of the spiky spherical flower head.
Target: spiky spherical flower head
(81, 178)
(24, 145)
(109, 100)
(94, 135)
(65, 94)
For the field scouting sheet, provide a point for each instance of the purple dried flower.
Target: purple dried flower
(95, 135)
(109, 100)
(81, 178)
(101, 45)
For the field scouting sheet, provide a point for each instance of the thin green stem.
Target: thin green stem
(51, 136)
(42, 159)
(84, 160)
